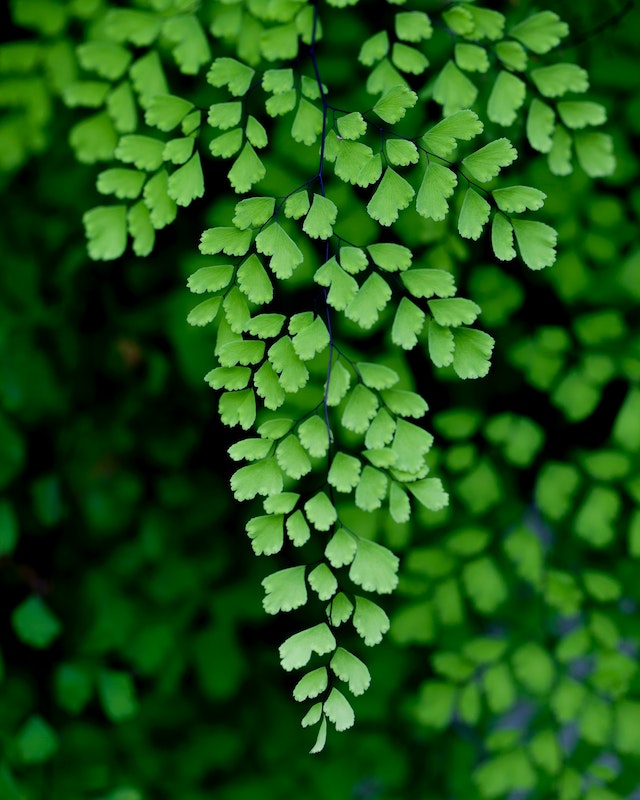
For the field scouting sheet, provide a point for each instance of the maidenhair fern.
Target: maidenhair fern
(186, 99)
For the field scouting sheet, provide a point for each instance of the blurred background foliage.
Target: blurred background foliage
(135, 658)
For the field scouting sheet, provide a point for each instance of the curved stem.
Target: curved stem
(323, 96)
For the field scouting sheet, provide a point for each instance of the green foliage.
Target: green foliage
(347, 172)
(34, 623)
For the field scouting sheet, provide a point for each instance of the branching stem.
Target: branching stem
(325, 113)
(323, 96)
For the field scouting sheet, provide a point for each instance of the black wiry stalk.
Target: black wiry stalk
(325, 112)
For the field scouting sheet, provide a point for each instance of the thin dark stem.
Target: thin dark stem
(614, 19)
(323, 97)
(325, 401)
(325, 114)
